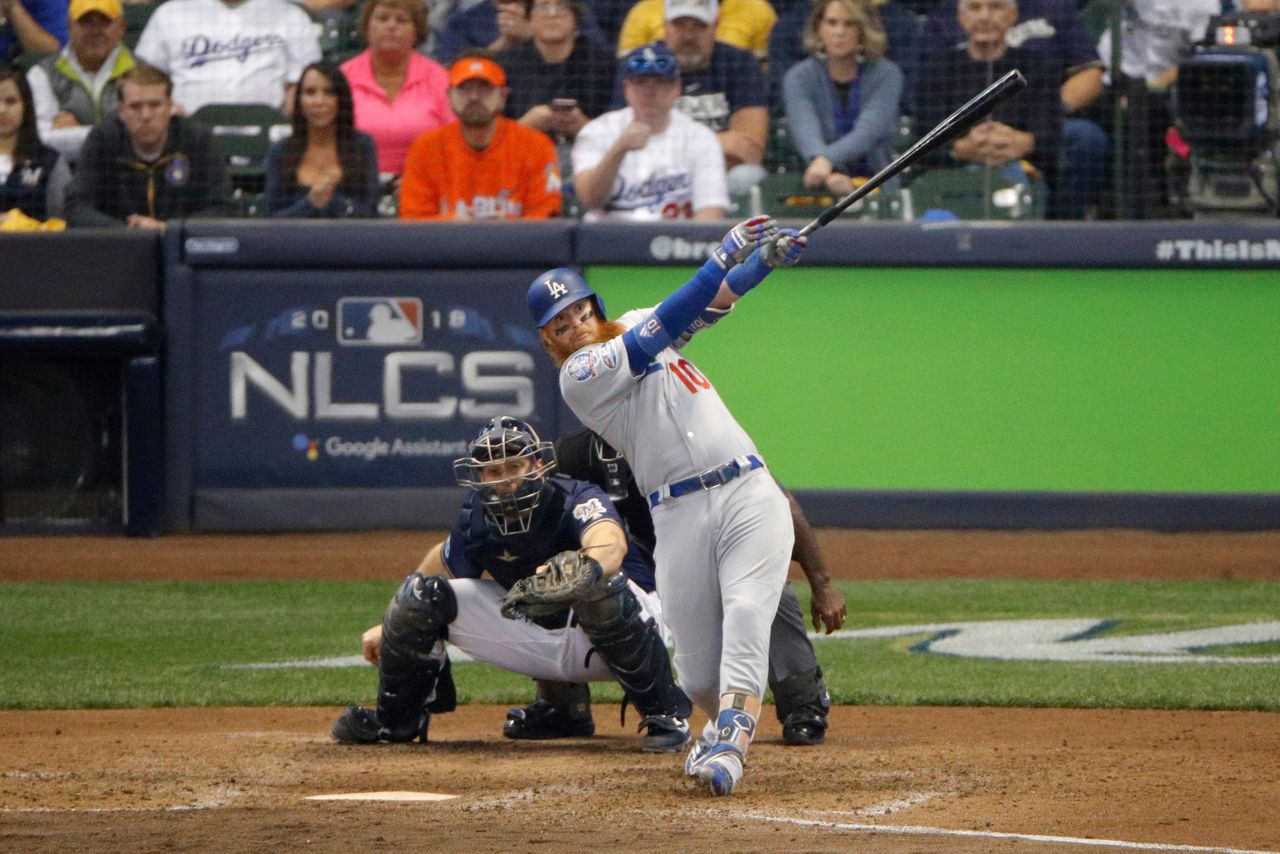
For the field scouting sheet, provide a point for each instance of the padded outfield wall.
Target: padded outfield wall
(1041, 376)
(955, 375)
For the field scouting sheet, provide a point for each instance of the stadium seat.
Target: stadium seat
(243, 133)
(974, 193)
(783, 195)
(136, 16)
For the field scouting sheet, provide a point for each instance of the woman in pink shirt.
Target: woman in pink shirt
(398, 92)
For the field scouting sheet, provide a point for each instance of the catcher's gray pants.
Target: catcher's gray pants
(722, 559)
(483, 633)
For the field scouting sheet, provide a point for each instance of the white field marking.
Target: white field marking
(915, 830)
(1011, 640)
(1074, 640)
(183, 808)
(455, 654)
(382, 796)
(914, 799)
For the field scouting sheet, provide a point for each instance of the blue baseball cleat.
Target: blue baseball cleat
(701, 745)
(721, 768)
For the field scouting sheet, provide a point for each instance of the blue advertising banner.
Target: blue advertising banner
(373, 379)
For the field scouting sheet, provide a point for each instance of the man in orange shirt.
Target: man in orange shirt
(482, 166)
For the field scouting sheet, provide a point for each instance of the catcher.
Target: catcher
(559, 606)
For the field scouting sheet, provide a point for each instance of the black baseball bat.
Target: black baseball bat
(947, 130)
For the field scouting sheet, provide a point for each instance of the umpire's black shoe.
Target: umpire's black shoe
(541, 720)
(359, 725)
(804, 728)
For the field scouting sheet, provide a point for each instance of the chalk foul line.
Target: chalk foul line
(917, 830)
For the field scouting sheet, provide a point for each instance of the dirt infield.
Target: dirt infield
(889, 779)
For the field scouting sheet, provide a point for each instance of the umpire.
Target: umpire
(794, 675)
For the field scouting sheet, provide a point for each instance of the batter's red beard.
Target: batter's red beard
(560, 352)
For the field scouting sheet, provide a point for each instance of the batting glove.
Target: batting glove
(784, 249)
(742, 240)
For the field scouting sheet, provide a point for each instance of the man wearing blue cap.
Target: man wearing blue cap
(648, 161)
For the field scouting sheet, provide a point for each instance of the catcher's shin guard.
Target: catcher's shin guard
(412, 658)
(636, 656)
(802, 702)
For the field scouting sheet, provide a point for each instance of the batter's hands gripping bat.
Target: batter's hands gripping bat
(947, 130)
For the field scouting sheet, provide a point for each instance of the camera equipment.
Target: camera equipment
(1226, 105)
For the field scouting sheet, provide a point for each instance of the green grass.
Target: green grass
(129, 644)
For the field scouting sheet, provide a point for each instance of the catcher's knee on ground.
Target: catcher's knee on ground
(412, 663)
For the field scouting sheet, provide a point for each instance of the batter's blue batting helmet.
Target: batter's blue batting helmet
(555, 290)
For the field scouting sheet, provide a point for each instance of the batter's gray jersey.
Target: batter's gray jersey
(668, 422)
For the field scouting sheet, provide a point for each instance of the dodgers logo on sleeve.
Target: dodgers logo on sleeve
(582, 365)
(588, 510)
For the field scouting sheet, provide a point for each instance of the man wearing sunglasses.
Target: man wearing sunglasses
(648, 161)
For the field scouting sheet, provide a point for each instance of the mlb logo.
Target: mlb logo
(379, 321)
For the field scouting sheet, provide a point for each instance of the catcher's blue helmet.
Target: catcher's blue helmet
(556, 289)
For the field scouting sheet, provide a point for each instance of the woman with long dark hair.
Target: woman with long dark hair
(327, 168)
(33, 177)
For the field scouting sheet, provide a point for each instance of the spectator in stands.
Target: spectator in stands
(35, 27)
(787, 41)
(649, 161)
(326, 168)
(76, 87)
(398, 92)
(1055, 30)
(1157, 35)
(745, 24)
(483, 166)
(609, 15)
(148, 165)
(559, 81)
(229, 51)
(1026, 128)
(33, 177)
(723, 88)
(842, 102)
(498, 25)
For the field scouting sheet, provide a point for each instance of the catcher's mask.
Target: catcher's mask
(613, 467)
(507, 467)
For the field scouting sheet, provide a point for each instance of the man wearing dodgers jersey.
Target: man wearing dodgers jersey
(649, 161)
(724, 532)
(230, 51)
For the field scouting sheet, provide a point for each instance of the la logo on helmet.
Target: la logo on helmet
(557, 289)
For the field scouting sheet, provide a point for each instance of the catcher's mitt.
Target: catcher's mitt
(567, 576)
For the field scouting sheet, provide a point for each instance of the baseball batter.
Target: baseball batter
(724, 534)
(799, 692)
